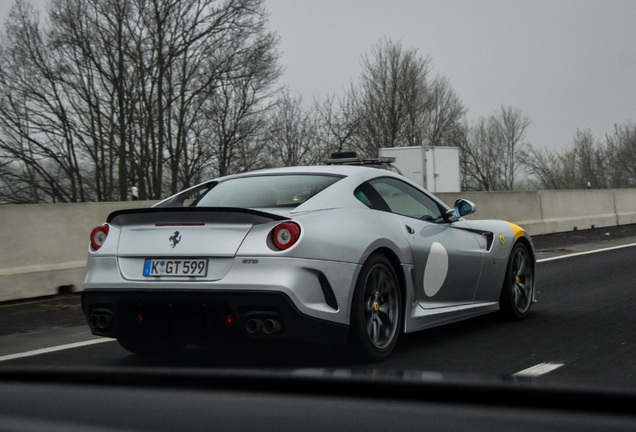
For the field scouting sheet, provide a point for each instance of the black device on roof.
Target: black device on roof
(351, 158)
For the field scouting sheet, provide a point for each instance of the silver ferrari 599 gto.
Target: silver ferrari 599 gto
(334, 254)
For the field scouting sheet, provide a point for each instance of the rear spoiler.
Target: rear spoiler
(189, 215)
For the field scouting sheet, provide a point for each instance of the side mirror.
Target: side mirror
(463, 208)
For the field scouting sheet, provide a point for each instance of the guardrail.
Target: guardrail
(44, 247)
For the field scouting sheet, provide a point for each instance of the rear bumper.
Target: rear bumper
(317, 288)
(198, 316)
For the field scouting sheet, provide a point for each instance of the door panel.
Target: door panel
(447, 262)
(447, 257)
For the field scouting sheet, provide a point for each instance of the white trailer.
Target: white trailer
(434, 168)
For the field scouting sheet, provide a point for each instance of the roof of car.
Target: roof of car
(346, 170)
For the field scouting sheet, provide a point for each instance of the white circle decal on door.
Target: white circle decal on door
(435, 270)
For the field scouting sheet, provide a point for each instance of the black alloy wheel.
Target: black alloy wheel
(376, 315)
(516, 295)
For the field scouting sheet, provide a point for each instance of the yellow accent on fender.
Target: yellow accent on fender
(517, 230)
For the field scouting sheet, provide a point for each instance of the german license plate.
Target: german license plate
(186, 267)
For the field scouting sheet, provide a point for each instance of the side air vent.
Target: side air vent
(327, 291)
(489, 239)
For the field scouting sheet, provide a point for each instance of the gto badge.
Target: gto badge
(175, 239)
(501, 239)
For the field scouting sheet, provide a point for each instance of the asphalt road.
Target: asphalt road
(582, 331)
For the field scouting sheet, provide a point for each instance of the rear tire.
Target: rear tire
(517, 292)
(376, 310)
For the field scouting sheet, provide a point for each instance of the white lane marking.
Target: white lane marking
(53, 349)
(586, 252)
(538, 370)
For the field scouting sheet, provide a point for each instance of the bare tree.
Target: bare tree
(392, 97)
(396, 103)
(291, 137)
(480, 159)
(444, 120)
(113, 93)
(576, 167)
(619, 156)
(492, 149)
(587, 162)
(37, 126)
(547, 168)
(237, 104)
(337, 125)
(90, 41)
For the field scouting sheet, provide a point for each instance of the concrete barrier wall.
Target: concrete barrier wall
(546, 212)
(625, 206)
(44, 247)
(522, 208)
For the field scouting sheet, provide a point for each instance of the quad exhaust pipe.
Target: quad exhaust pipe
(253, 326)
(269, 327)
(101, 321)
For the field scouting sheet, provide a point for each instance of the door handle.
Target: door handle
(409, 229)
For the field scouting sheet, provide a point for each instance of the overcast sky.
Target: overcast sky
(567, 64)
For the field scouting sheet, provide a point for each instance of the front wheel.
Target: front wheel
(376, 311)
(516, 295)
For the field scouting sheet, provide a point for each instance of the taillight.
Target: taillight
(285, 235)
(98, 236)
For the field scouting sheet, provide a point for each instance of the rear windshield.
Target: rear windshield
(266, 191)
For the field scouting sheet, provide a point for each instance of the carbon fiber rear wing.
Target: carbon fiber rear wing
(190, 215)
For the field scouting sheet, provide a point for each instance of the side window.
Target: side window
(403, 199)
(368, 196)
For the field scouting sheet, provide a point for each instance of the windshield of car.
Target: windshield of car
(266, 191)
